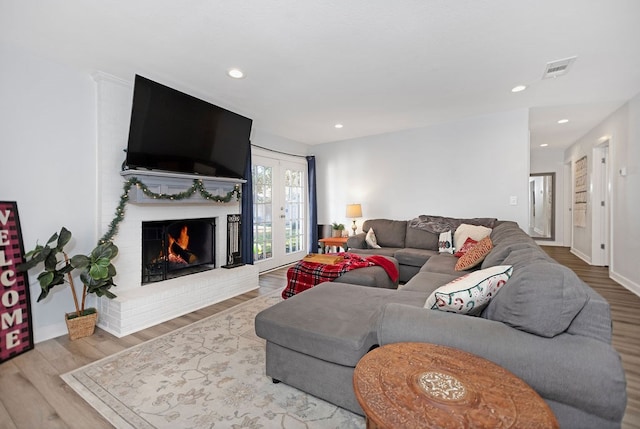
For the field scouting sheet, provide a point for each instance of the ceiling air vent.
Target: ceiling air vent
(558, 68)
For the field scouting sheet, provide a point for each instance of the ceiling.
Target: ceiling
(375, 66)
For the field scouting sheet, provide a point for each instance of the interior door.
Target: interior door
(279, 210)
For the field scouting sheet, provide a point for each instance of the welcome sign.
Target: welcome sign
(16, 335)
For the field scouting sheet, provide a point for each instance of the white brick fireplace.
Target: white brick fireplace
(136, 306)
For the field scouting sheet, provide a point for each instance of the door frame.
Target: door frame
(601, 216)
(284, 159)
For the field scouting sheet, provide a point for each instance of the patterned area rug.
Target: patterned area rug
(209, 374)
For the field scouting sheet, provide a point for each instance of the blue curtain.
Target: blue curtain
(247, 213)
(313, 205)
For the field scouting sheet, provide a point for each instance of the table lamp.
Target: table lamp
(354, 211)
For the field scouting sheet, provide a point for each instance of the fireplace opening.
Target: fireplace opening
(176, 248)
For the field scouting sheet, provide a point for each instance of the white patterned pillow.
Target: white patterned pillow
(470, 293)
(445, 243)
(371, 239)
(465, 231)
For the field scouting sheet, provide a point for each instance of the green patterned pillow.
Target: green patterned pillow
(470, 293)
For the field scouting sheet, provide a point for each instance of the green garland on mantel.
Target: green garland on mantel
(197, 186)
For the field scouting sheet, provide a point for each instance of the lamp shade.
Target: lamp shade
(354, 210)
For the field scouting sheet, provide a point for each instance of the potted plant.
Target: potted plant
(96, 274)
(337, 229)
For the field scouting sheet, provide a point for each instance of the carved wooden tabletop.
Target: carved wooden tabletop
(420, 385)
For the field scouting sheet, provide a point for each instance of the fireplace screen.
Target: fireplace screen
(176, 248)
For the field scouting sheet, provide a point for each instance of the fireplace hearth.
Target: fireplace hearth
(175, 248)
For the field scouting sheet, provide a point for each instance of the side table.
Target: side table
(336, 242)
(420, 385)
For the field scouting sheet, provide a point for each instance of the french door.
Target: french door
(279, 209)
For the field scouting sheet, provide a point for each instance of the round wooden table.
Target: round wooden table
(420, 385)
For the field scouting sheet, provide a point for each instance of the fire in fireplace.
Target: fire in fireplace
(175, 248)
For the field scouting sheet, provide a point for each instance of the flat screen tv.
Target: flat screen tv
(176, 132)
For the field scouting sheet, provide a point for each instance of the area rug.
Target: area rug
(209, 374)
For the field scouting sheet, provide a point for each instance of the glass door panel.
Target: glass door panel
(279, 210)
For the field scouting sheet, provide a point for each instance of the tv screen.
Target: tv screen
(176, 132)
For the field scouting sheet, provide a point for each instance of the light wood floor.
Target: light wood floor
(32, 395)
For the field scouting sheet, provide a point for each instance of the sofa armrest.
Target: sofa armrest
(357, 241)
(575, 370)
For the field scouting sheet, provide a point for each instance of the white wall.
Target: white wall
(622, 129)
(468, 168)
(548, 160)
(47, 133)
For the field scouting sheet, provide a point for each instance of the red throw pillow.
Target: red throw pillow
(468, 244)
(474, 256)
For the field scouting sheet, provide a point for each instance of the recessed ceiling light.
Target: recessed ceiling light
(236, 73)
(563, 121)
(544, 145)
(338, 126)
(518, 88)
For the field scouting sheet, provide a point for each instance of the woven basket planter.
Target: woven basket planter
(80, 327)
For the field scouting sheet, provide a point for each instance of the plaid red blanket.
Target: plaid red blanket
(305, 275)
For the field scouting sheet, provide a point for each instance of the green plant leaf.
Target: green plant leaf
(64, 238)
(53, 238)
(34, 252)
(80, 261)
(109, 294)
(98, 271)
(27, 265)
(66, 269)
(106, 250)
(50, 259)
(43, 294)
(45, 278)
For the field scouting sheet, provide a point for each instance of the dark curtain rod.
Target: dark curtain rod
(277, 151)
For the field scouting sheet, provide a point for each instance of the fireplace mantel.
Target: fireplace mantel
(162, 182)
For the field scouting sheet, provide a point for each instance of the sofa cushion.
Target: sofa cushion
(500, 252)
(300, 323)
(508, 230)
(427, 282)
(441, 263)
(470, 293)
(465, 231)
(474, 256)
(594, 320)
(414, 257)
(542, 298)
(420, 239)
(526, 256)
(389, 233)
(384, 251)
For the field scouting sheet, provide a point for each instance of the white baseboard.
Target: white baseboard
(628, 284)
(549, 243)
(48, 332)
(581, 255)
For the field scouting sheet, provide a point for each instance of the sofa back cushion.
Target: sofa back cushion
(421, 239)
(500, 252)
(594, 320)
(523, 257)
(542, 298)
(508, 232)
(389, 233)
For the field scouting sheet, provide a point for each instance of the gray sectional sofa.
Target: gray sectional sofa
(410, 245)
(545, 325)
